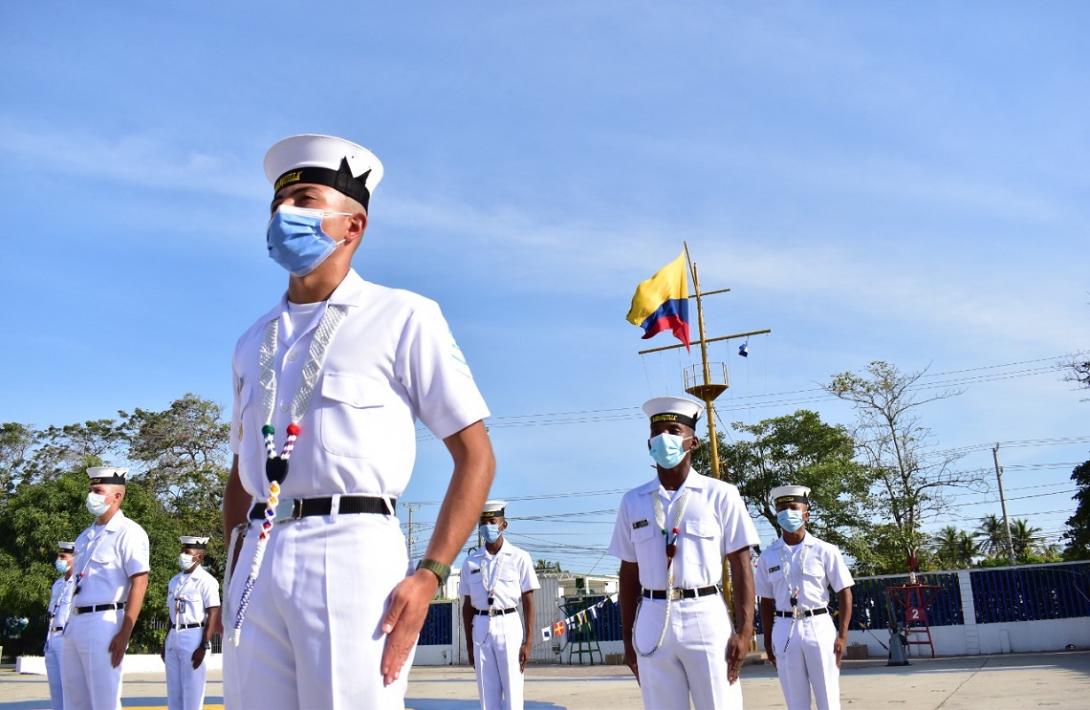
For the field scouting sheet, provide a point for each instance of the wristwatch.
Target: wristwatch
(440, 570)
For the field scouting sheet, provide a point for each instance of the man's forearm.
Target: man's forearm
(236, 502)
(768, 606)
(467, 621)
(844, 602)
(474, 468)
(741, 577)
(629, 595)
(527, 617)
(138, 587)
(210, 618)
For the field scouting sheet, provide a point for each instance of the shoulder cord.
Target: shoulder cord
(670, 537)
(793, 590)
(316, 353)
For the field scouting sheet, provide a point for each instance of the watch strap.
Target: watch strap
(440, 570)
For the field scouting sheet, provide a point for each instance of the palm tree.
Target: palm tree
(954, 548)
(993, 536)
(1025, 538)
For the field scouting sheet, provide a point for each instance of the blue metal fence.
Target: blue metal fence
(607, 627)
(1031, 593)
(437, 629)
(870, 608)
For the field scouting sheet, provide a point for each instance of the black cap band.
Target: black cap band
(340, 180)
(674, 417)
(792, 499)
(114, 480)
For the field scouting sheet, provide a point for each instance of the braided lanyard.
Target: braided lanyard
(92, 546)
(670, 536)
(490, 587)
(179, 601)
(65, 583)
(793, 589)
(276, 467)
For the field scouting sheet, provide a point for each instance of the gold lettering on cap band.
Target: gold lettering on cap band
(287, 179)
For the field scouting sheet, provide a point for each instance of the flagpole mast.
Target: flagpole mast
(708, 403)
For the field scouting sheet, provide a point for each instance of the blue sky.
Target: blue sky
(898, 181)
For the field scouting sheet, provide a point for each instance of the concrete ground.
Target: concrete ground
(1052, 680)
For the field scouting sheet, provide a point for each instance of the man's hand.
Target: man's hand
(163, 651)
(838, 648)
(631, 661)
(770, 651)
(118, 646)
(408, 607)
(198, 656)
(736, 653)
(524, 653)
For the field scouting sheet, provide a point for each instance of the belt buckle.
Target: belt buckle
(288, 509)
(674, 594)
(796, 613)
(493, 611)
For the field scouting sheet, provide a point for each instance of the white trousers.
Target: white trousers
(496, 642)
(312, 636)
(54, 650)
(692, 660)
(90, 682)
(185, 685)
(807, 662)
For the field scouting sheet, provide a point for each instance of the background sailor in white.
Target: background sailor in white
(332, 617)
(193, 603)
(111, 578)
(793, 579)
(60, 603)
(680, 644)
(494, 578)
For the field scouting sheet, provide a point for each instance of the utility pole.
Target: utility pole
(410, 539)
(1003, 503)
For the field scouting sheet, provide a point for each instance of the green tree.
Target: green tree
(993, 537)
(1025, 538)
(911, 480)
(1077, 534)
(953, 548)
(799, 448)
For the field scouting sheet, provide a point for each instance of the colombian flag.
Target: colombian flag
(662, 302)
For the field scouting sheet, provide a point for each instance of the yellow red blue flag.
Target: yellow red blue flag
(662, 301)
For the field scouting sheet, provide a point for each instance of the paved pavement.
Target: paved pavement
(1044, 680)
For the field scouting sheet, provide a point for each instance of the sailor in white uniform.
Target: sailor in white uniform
(328, 386)
(60, 603)
(193, 603)
(494, 578)
(793, 579)
(111, 579)
(672, 535)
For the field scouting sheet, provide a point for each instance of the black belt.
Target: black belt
(99, 607)
(194, 625)
(681, 593)
(349, 505)
(803, 612)
(494, 612)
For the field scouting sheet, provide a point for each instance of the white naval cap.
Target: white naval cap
(790, 494)
(325, 160)
(191, 541)
(673, 409)
(494, 509)
(108, 474)
(66, 546)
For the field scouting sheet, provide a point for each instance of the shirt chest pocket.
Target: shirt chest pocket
(703, 530)
(104, 557)
(643, 538)
(351, 415)
(814, 571)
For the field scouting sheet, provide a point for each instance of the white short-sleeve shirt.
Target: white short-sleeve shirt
(391, 361)
(715, 523)
(107, 556)
(190, 596)
(503, 576)
(813, 566)
(60, 603)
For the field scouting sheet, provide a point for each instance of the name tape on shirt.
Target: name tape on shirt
(773, 569)
(639, 524)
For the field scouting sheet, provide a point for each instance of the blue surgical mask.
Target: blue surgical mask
(491, 533)
(96, 504)
(296, 240)
(668, 449)
(60, 565)
(790, 519)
